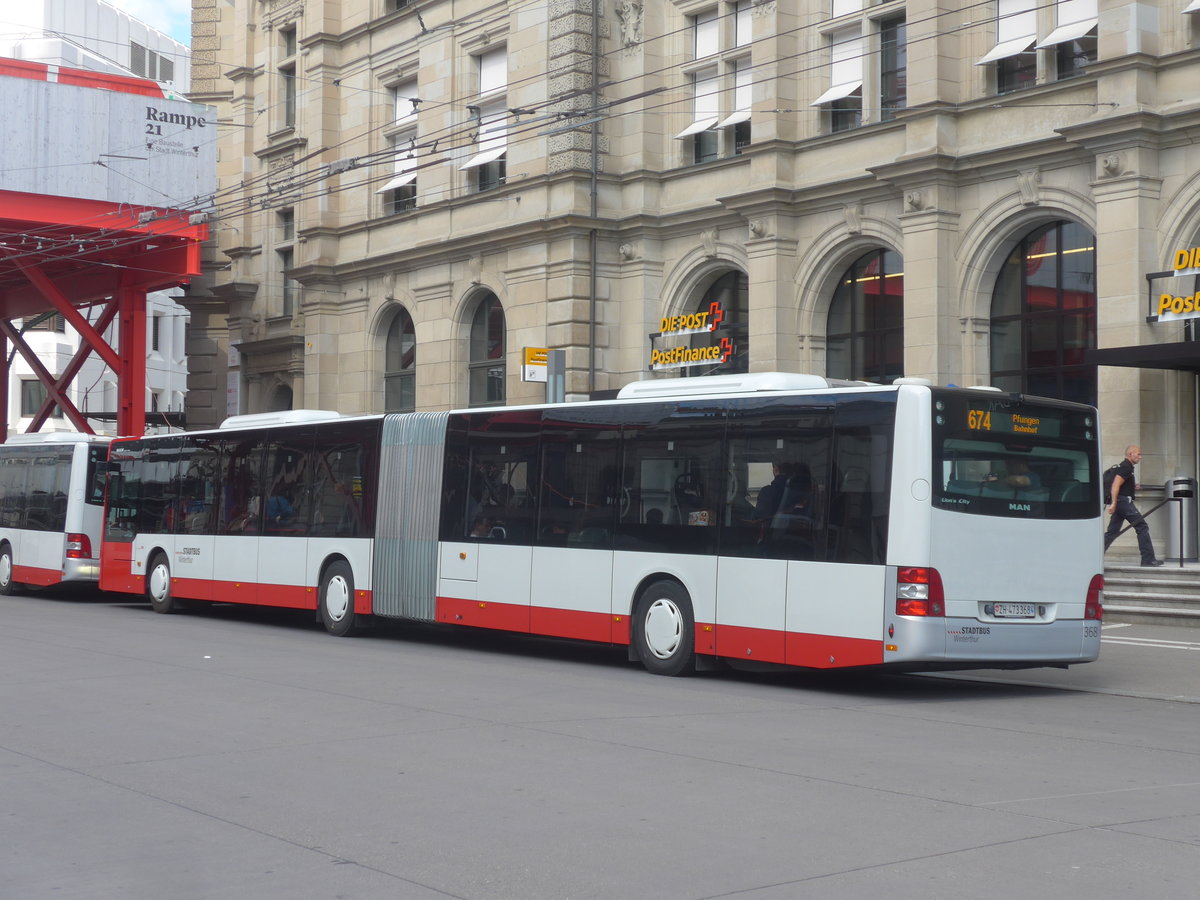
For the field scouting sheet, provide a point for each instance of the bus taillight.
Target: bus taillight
(1093, 607)
(78, 546)
(919, 592)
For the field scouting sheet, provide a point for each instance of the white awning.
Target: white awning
(743, 115)
(1006, 49)
(399, 181)
(837, 92)
(696, 127)
(482, 159)
(1192, 7)
(1064, 33)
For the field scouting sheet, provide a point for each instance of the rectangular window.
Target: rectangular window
(845, 7)
(488, 167)
(893, 65)
(33, 395)
(404, 103)
(287, 87)
(155, 332)
(137, 59)
(287, 285)
(1013, 55)
(493, 70)
(743, 26)
(1074, 40)
(706, 30)
(287, 224)
(844, 97)
(743, 98)
(400, 191)
(287, 40)
(706, 105)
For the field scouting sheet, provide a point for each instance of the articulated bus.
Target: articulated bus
(51, 508)
(771, 518)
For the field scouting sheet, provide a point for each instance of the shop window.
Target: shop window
(865, 332)
(1044, 315)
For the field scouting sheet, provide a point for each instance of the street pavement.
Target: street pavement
(243, 753)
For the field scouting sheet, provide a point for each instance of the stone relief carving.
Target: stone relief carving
(1028, 185)
(627, 252)
(763, 7)
(914, 201)
(629, 13)
(1111, 165)
(709, 241)
(853, 213)
(758, 228)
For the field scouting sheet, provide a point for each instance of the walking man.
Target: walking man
(1122, 508)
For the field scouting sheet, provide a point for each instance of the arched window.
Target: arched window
(400, 365)
(485, 371)
(865, 332)
(1044, 315)
(280, 400)
(730, 292)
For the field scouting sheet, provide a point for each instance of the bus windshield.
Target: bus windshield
(1008, 455)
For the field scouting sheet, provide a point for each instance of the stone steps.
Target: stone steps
(1169, 595)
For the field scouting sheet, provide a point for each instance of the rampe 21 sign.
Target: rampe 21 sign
(684, 356)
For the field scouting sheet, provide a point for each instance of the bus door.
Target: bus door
(239, 519)
(774, 539)
(123, 496)
(193, 520)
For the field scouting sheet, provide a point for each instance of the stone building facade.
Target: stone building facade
(413, 191)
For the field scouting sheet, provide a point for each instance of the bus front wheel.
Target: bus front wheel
(158, 585)
(664, 631)
(337, 599)
(7, 585)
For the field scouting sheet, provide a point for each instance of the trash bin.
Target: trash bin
(1181, 520)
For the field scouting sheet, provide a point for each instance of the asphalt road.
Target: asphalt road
(245, 753)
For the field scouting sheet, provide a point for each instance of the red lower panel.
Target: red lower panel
(759, 644)
(822, 651)
(483, 614)
(571, 623)
(362, 602)
(35, 575)
(193, 588)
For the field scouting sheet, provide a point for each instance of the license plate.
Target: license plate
(1014, 611)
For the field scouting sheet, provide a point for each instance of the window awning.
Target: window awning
(837, 92)
(1007, 49)
(483, 158)
(399, 181)
(696, 127)
(743, 115)
(1069, 32)
(1192, 7)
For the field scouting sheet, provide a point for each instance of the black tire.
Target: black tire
(664, 629)
(7, 585)
(337, 599)
(158, 585)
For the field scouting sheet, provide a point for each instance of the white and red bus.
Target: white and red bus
(51, 508)
(775, 518)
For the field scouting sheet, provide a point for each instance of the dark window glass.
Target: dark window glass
(241, 485)
(33, 395)
(97, 456)
(780, 455)
(399, 365)
(846, 114)
(49, 482)
(159, 506)
(866, 320)
(1073, 57)
(402, 199)
(198, 495)
(503, 480)
(286, 486)
(487, 346)
(893, 68)
(345, 468)
(705, 146)
(984, 466)
(1044, 315)
(1015, 73)
(741, 137)
(287, 75)
(673, 477)
(14, 471)
(491, 174)
(860, 486)
(580, 492)
(730, 291)
(124, 492)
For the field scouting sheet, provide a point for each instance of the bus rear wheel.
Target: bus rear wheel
(7, 585)
(664, 630)
(158, 585)
(337, 599)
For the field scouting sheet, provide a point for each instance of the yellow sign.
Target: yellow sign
(1186, 259)
(534, 367)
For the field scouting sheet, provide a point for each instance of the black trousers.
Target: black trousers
(1127, 511)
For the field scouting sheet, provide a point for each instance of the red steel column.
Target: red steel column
(131, 371)
(3, 388)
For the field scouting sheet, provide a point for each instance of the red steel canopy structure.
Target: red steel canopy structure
(72, 254)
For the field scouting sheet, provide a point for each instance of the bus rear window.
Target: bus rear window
(1005, 456)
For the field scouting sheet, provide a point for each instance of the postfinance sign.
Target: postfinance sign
(1172, 307)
